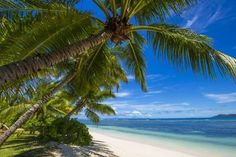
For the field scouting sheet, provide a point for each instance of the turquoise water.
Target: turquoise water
(197, 137)
(192, 144)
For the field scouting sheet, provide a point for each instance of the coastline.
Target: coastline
(193, 145)
(127, 148)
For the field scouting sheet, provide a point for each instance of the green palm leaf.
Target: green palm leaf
(133, 57)
(101, 108)
(14, 8)
(182, 47)
(45, 36)
(92, 116)
(13, 112)
(153, 10)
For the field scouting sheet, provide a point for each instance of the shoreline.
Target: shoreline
(128, 148)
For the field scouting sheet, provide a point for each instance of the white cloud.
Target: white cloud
(222, 98)
(154, 76)
(151, 93)
(155, 92)
(153, 109)
(131, 77)
(136, 113)
(204, 14)
(131, 109)
(122, 94)
(191, 22)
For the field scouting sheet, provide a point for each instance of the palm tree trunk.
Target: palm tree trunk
(14, 71)
(77, 108)
(28, 114)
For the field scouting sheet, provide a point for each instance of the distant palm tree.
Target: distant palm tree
(32, 110)
(92, 103)
(58, 106)
(124, 18)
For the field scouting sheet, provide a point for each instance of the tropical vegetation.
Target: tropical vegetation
(85, 55)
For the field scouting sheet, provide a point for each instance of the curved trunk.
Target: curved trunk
(77, 108)
(13, 71)
(28, 114)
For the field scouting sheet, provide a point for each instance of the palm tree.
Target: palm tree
(57, 106)
(124, 19)
(22, 119)
(92, 104)
(87, 73)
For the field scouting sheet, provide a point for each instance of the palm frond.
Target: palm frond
(45, 36)
(19, 8)
(10, 113)
(103, 95)
(183, 47)
(125, 6)
(101, 5)
(133, 58)
(153, 10)
(92, 116)
(68, 3)
(99, 69)
(114, 9)
(101, 108)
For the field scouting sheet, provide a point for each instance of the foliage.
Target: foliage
(181, 47)
(26, 145)
(68, 131)
(13, 107)
(46, 27)
(93, 106)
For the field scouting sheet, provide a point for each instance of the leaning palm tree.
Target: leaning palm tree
(124, 19)
(99, 70)
(58, 106)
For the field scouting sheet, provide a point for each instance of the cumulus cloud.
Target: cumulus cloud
(152, 110)
(222, 98)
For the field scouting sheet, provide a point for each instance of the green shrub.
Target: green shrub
(68, 131)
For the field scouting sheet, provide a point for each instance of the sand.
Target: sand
(107, 146)
(125, 148)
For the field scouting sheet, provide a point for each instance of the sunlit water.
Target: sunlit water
(201, 137)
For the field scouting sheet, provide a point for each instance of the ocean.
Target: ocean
(201, 137)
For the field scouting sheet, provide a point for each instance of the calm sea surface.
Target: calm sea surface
(201, 137)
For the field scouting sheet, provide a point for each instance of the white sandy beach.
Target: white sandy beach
(107, 146)
(125, 148)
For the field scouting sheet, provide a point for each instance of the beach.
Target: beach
(144, 138)
(113, 141)
(126, 148)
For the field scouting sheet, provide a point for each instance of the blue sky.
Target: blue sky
(174, 94)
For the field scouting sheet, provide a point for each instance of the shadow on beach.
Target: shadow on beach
(54, 149)
(96, 149)
(24, 146)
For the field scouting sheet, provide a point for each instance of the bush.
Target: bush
(68, 131)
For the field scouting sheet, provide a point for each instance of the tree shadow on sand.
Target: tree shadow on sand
(96, 149)
(37, 149)
(26, 146)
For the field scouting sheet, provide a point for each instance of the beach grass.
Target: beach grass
(24, 146)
